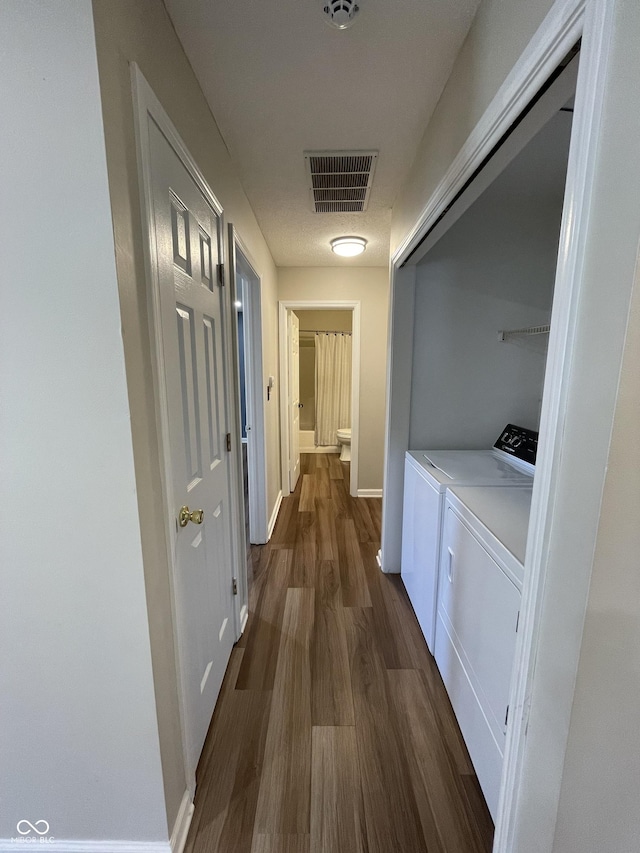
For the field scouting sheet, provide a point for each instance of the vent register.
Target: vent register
(340, 181)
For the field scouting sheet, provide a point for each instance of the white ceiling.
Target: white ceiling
(280, 81)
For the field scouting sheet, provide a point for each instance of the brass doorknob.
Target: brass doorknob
(185, 516)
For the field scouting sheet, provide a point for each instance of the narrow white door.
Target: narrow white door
(294, 399)
(188, 233)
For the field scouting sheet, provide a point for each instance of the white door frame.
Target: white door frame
(553, 605)
(147, 108)
(320, 305)
(240, 261)
(293, 394)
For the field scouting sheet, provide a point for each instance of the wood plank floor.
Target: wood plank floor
(333, 732)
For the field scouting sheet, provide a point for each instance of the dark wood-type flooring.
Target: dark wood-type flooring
(333, 732)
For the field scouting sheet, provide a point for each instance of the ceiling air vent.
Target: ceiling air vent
(340, 181)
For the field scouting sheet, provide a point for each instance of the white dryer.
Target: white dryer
(428, 475)
(484, 536)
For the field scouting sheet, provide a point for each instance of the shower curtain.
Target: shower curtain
(333, 386)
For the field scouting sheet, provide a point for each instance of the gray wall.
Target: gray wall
(494, 269)
(79, 736)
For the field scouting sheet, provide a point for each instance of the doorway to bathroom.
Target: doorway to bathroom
(325, 357)
(320, 379)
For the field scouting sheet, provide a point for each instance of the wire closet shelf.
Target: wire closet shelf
(508, 334)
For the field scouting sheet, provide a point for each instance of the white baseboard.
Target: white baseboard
(369, 493)
(328, 448)
(274, 515)
(244, 618)
(182, 824)
(60, 845)
(384, 568)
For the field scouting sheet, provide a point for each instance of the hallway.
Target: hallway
(333, 732)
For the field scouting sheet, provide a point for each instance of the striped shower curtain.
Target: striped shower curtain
(333, 386)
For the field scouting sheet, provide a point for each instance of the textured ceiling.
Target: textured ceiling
(280, 81)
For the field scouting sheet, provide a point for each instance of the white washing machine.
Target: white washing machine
(484, 536)
(428, 475)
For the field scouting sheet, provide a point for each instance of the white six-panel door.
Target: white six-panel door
(188, 234)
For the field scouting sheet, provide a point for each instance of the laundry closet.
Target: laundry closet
(483, 309)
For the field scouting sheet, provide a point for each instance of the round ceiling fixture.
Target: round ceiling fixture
(340, 13)
(349, 247)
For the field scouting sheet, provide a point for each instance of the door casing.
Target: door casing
(240, 261)
(293, 396)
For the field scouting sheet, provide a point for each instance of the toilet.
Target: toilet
(344, 439)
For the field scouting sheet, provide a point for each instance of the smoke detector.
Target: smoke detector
(340, 13)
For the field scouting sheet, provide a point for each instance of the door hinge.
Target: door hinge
(228, 442)
(221, 275)
(506, 716)
(517, 621)
(235, 586)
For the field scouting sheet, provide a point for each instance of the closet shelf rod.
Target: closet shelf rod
(505, 334)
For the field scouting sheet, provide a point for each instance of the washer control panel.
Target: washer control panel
(519, 442)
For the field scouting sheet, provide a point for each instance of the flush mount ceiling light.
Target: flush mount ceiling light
(340, 13)
(349, 247)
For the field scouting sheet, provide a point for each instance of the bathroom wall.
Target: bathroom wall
(307, 382)
(325, 321)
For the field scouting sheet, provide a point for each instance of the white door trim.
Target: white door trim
(182, 823)
(293, 393)
(240, 261)
(322, 305)
(148, 108)
(536, 741)
(399, 376)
